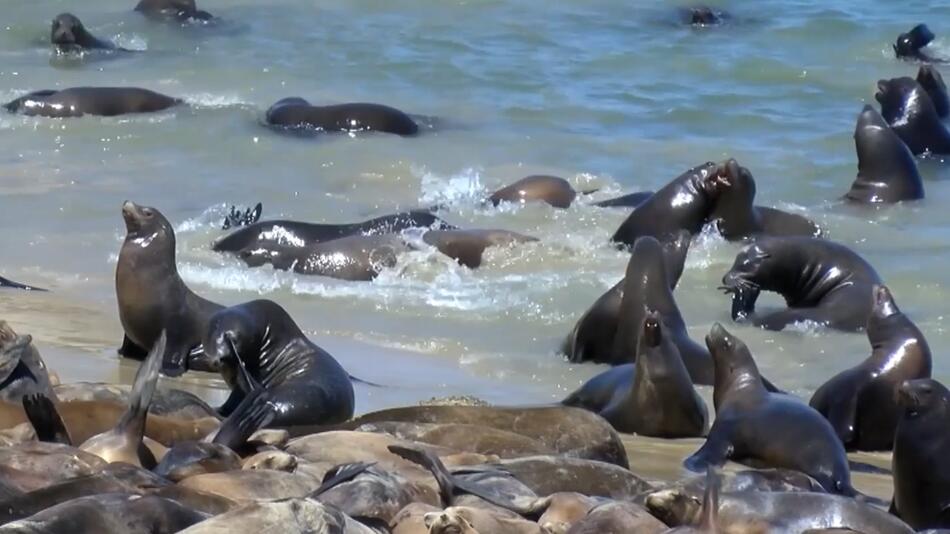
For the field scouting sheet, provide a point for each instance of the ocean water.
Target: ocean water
(609, 94)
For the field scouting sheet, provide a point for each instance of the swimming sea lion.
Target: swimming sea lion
(179, 10)
(306, 385)
(297, 113)
(552, 190)
(887, 171)
(920, 463)
(152, 296)
(907, 108)
(68, 35)
(683, 204)
(736, 217)
(22, 370)
(930, 79)
(631, 200)
(821, 281)
(79, 101)
(467, 246)
(592, 337)
(908, 45)
(747, 414)
(4, 282)
(860, 402)
(702, 16)
(652, 397)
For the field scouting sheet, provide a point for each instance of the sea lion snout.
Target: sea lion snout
(913, 395)
(652, 329)
(65, 30)
(718, 339)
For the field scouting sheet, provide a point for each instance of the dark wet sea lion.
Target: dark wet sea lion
(306, 384)
(908, 45)
(269, 234)
(920, 463)
(930, 79)
(22, 370)
(887, 170)
(371, 493)
(861, 402)
(594, 332)
(179, 10)
(68, 34)
(631, 200)
(79, 101)
(736, 217)
(907, 108)
(111, 512)
(4, 282)
(551, 190)
(652, 397)
(683, 204)
(821, 281)
(236, 218)
(357, 117)
(747, 416)
(152, 296)
(647, 286)
(702, 16)
(468, 246)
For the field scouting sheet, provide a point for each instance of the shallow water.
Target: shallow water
(610, 94)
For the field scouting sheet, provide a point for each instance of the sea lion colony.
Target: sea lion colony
(285, 453)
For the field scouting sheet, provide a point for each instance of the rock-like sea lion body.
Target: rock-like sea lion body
(79, 101)
(551, 190)
(298, 113)
(178, 10)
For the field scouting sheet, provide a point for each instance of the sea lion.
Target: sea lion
(33, 465)
(69, 35)
(468, 520)
(683, 204)
(167, 401)
(371, 494)
(930, 79)
(920, 464)
(236, 218)
(860, 402)
(79, 101)
(652, 397)
(547, 475)
(196, 458)
(463, 438)
(908, 45)
(702, 16)
(306, 385)
(617, 517)
(552, 190)
(747, 414)
(110, 512)
(22, 370)
(887, 171)
(152, 296)
(630, 200)
(270, 234)
(294, 516)
(594, 332)
(907, 108)
(736, 217)
(4, 282)
(178, 10)
(821, 281)
(297, 113)
(468, 246)
(245, 486)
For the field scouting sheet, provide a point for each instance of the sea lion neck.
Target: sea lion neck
(735, 213)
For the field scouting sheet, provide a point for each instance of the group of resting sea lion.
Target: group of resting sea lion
(284, 453)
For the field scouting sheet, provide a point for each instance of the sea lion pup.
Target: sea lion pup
(821, 281)
(747, 414)
(306, 384)
(652, 397)
(930, 79)
(69, 35)
(887, 170)
(910, 112)
(178, 10)
(552, 190)
(22, 370)
(920, 463)
(297, 113)
(736, 217)
(592, 338)
(272, 234)
(152, 296)
(861, 402)
(4, 282)
(908, 45)
(79, 101)
(683, 204)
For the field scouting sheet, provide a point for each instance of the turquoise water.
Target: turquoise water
(608, 94)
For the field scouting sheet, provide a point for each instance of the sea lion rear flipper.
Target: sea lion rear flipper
(132, 423)
(714, 452)
(46, 421)
(130, 350)
(340, 474)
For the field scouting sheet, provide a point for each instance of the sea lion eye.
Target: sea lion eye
(148, 212)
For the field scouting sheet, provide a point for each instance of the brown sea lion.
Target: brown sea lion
(468, 246)
(297, 113)
(294, 516)
(101, 101)
(552, 190)
(69, 35)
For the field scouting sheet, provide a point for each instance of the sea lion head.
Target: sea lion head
(12, 347)
(898, 96)
(884, 305)
(702, 16)
(732, 360)
(735, 183)
(924, 397)
(147, 228)
(908, 44)
(191, 458)
(674, 507)
(449, 521)
(743, 279)
(67, 31)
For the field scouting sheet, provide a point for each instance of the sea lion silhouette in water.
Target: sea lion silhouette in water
(702, 16)
(297, 113)
(747, 416)
(552, 190)
(69, 35)
(305, 383)
(652, 397)
(910, 112)
(861, 402)
(736, 217)
(4, 282)
(920, 463)
(683, 204)
(887, 170)
(908, 45)
(79, 101)
(930, 79)
(152, 296)
(821, 281)
(22, 370)
(178, 10)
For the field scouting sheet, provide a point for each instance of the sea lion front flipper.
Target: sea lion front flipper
(717, 449)
(46, 421)
(231, 404)
(252, 414)
(132, 423)
(340, 474)
(130, 350)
